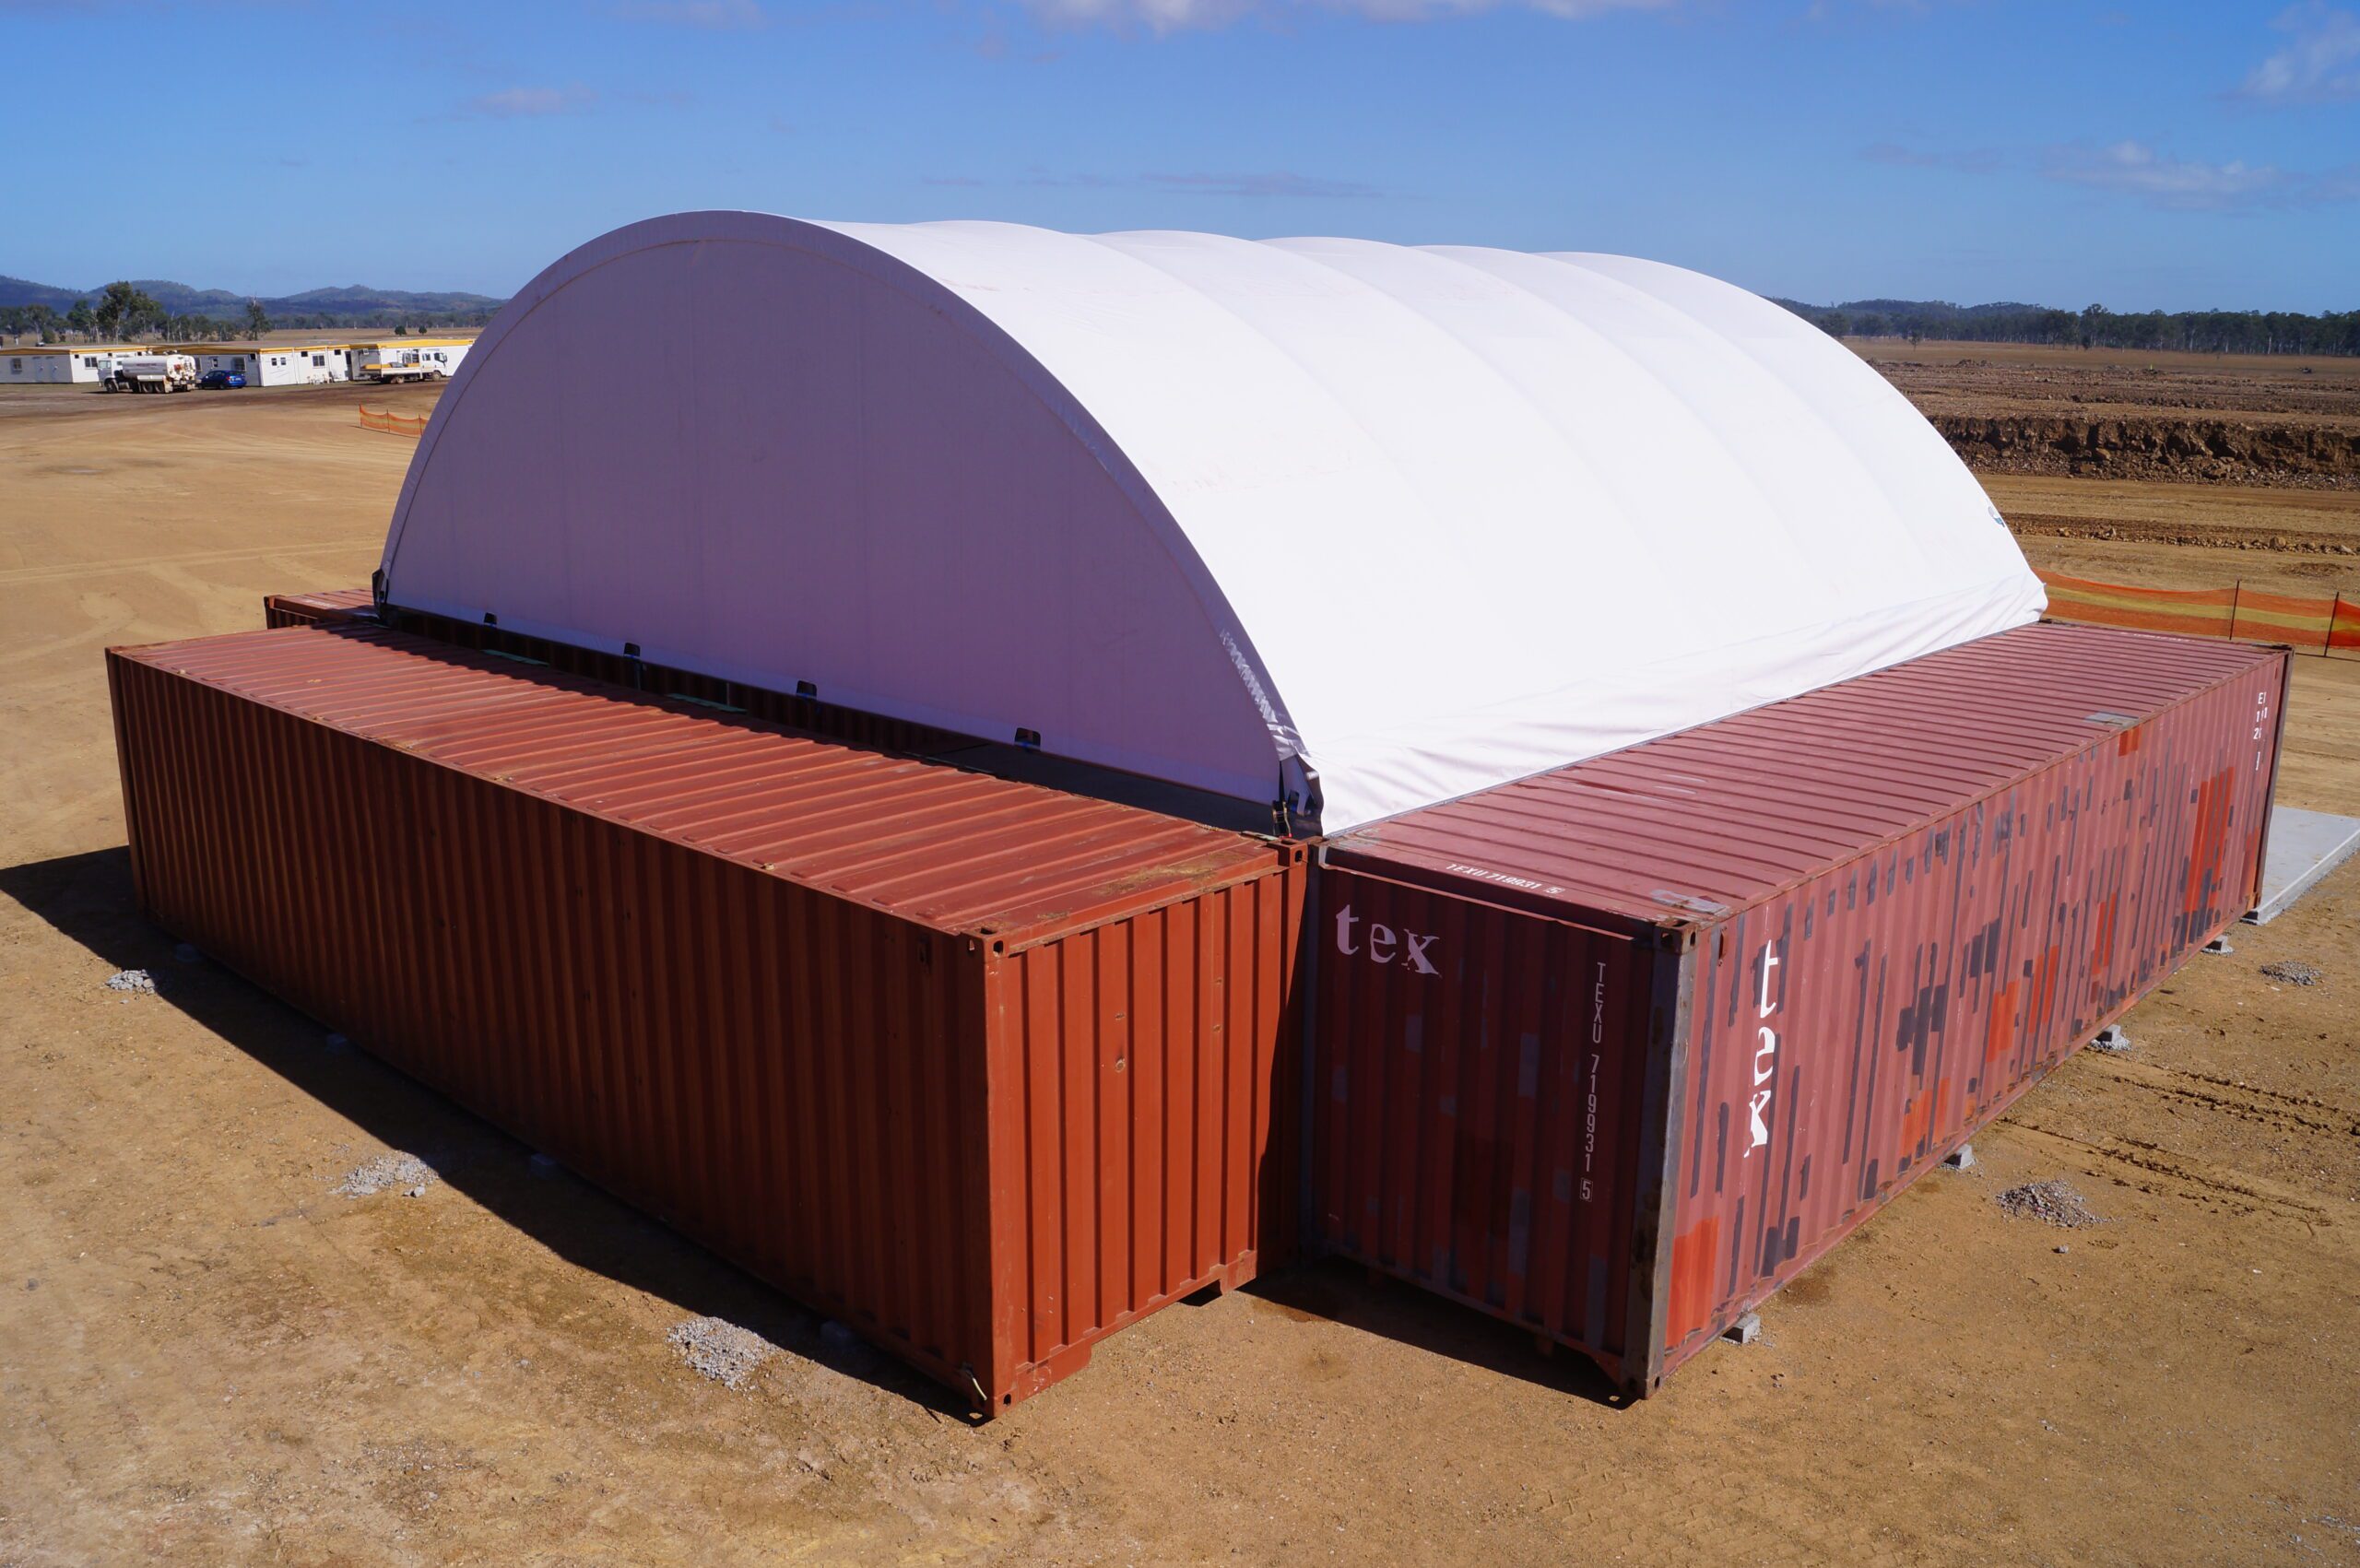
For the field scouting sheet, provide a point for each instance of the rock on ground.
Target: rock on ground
(721, 1351)
(391, 1169)
(2050, 1202)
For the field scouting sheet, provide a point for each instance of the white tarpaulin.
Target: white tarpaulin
(1367, 524)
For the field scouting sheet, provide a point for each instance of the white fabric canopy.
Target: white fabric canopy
(1364, 525)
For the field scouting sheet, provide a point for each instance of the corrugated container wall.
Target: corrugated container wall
(1614, 1052)
(985, 1070)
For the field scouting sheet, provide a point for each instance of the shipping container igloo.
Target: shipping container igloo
(1335, 528)
(1335, 531)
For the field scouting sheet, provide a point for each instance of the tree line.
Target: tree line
(123, 312)
(2203, 332)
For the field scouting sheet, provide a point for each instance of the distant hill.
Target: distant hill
(2202, 332)
(353, 302)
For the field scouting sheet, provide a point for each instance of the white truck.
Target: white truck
(154, 372)
(395, 365)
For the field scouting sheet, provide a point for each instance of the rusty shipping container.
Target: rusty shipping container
(799, 710)
(331, 607)
(985, 1070)
(1612, 1052)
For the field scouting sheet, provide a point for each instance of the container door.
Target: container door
(1476, 1090)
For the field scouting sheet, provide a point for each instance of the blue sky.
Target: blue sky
(2164, 155)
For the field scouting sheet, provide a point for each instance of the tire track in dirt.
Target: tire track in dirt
(2290, 1113)
(68, 572)
(2204, 536)
(2190, 1178)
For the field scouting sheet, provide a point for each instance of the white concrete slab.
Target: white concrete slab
(2304, 846)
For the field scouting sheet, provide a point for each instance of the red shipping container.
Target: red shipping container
(1614, 1052)
(985, 1070)
(333, 606)
(798, 710)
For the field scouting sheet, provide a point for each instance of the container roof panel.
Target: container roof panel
(930, 842)
(1733, 812)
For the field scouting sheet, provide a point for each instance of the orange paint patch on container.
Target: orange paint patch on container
(2000, 1034)
(1692, 1253)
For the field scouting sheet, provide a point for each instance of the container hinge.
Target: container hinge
(1694, 905)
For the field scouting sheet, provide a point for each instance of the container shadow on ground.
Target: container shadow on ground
(1345, 1293)
(89, 899)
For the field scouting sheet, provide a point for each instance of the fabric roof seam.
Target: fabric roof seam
(1580, 261)
(1890, 399)
(1636, 365)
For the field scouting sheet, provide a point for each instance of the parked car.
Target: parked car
(220, 380)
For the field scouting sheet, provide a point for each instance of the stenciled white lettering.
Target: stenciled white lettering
(1765, 1059)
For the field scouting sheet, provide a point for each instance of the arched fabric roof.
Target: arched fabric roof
(1363, 524)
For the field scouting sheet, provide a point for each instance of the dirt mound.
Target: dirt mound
(391, 1169)
(2202, 450)
(720, 1350)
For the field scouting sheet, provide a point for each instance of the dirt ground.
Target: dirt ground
(2280, 422)
(2006, 378)
(207, 1355)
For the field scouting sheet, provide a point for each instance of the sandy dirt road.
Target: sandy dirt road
(208, 1356)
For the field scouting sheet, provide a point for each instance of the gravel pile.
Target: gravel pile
(134, 980)
(2050, 1202)
(721, 1351)
(2291, 972)
(391, 1169)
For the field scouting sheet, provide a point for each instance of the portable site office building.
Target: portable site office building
(60, 366)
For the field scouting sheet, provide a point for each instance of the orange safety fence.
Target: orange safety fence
(391, 423)
(2330, 625)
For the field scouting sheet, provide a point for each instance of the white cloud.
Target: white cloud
(2136, 167)
(2320, 62)
(1174, 16)
(529, 103)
